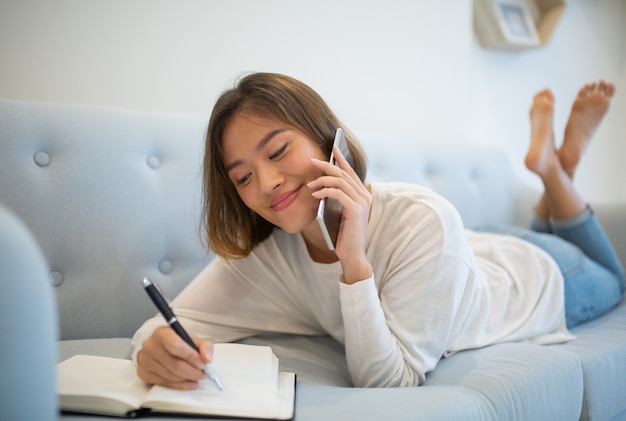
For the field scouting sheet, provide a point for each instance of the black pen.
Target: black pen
(164, 307)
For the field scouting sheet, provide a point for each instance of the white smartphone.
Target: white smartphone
(329, 210)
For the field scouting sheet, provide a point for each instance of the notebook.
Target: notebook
(252, 387)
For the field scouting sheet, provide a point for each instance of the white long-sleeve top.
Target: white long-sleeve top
(436, 289)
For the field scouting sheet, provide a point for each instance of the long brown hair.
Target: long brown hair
(232, 230)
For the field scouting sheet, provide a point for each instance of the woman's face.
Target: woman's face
(269, 163)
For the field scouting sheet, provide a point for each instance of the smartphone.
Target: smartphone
(329, 210)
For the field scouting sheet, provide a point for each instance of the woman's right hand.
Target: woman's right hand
(167, 360)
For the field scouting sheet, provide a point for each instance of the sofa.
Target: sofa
(107, 196)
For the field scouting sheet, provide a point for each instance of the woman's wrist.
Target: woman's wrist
(353, 273)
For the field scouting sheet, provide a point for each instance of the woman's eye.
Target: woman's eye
(279, 152)
(243, 180)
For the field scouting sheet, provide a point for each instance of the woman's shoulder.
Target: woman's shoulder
(409, 207)
(402, 195)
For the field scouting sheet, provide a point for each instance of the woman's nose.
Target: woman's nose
(269, 179)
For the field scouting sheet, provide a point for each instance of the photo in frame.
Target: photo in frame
(516, 22)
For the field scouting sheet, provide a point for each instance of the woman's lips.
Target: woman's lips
(284, 200)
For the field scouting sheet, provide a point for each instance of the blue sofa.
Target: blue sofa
(110, 196)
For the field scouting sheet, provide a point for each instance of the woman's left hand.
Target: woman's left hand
(343, 184)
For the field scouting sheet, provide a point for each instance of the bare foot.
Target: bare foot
(588, 109)
(542, 154)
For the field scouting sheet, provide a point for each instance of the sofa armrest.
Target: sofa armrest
(28, 324)
(613, 219)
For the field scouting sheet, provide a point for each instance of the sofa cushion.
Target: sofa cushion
(601, 348)
(110, 347)
(507, 381)
(516, 381)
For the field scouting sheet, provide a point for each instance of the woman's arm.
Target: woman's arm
(399, 323)
(231, 300)
(394, 337)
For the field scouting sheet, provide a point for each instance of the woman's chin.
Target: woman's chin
(297, 228)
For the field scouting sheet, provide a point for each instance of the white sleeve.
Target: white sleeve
(200, 307)
(234, 299)
(399, 323)
(394, 336)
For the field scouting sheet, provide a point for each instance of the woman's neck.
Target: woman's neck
(321, 255)
(316, 245)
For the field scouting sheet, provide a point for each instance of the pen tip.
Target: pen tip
(210, 373)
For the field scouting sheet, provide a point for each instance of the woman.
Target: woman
(406, 284)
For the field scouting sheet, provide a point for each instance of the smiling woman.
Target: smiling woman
(269, 105)
(406, 283)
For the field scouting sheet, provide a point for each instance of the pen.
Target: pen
(164, 307)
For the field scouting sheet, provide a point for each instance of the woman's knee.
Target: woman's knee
(591, 293)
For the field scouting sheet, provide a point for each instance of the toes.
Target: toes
(600, 88)
(545, 93)
(606, 88)
(610, 89)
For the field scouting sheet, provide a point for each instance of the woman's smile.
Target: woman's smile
(284, 200)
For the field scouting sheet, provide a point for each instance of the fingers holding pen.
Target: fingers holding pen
(167, 360)
(205, 349)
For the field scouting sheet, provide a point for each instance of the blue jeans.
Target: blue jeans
(594, 276)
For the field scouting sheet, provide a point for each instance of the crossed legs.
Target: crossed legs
(556, 167)
(594, 279)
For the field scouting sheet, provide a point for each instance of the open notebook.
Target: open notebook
(253, 387)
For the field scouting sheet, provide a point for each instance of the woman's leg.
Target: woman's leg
(591, 289)
(588, 110)
(594, 277)
(541, 135)
(586, 232)
(552, 165)
(560, 200)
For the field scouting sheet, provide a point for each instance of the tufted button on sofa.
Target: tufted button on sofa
(111, 197)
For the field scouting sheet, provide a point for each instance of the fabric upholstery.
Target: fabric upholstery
(113, 195)
(601, 348)
(28, 324)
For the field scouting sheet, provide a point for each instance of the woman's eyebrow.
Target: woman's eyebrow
(268, 137)
(264, 141)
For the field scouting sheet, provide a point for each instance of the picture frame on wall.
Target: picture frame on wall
(516, 22)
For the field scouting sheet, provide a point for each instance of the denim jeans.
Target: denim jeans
(594, 276)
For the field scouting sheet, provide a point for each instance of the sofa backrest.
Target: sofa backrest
(113, 195)
(478, 180)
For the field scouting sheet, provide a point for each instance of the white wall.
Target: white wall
(396, 69)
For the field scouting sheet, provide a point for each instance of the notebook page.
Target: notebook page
(249, 376)
(110, 379)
